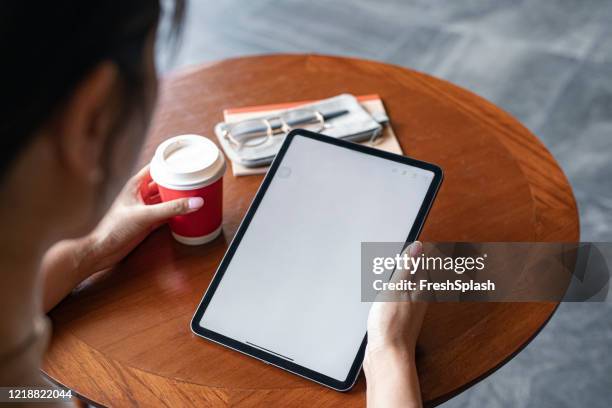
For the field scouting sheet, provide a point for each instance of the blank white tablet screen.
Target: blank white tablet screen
(293, 286)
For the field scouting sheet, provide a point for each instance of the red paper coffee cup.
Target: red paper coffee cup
(191, 166)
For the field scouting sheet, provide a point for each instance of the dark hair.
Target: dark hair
(48, 47)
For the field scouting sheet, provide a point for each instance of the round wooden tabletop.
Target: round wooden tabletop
(123, 337)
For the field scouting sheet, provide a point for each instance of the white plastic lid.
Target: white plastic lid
(187, 162)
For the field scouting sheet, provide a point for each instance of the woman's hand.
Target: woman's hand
(135, 213)
(389, 364)
(396, 324)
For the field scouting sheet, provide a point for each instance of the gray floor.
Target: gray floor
(548, 62)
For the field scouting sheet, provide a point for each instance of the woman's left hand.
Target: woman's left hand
(135, 213)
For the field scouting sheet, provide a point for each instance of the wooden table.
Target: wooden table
(123, 338)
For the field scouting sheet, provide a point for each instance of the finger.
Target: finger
(148, 190)
(152, 199)
(139, 182)
(401, 274)
(152, 214)
(143, 175)
(413, 251)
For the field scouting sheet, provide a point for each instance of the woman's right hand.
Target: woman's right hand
(389, 363)
(135, 213)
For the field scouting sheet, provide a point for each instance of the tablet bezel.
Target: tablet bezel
(271, 357)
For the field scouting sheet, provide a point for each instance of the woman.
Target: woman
(79, 87)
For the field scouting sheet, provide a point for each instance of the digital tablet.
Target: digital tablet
(288, 290)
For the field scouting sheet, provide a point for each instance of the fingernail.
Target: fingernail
(195, 202)
(415, 248)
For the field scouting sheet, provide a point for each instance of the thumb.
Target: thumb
(412, 251)
(160, 212)
(415, 249)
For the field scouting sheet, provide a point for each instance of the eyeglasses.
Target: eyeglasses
(255, 132)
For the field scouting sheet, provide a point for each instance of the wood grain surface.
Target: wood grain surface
(123, 337)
